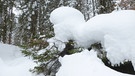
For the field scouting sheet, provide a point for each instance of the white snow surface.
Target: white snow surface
(85, 63)
(65, 19)
(65, 14)
(17, 12)
(116, 31)
(12, 62)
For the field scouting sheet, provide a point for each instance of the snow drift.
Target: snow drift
(12, 62)
(85, 63)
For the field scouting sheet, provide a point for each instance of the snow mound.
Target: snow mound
(9, 52)
(12, 62)
(115, 31)
(85, 63)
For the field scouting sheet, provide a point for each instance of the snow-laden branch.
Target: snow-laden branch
(115, 31)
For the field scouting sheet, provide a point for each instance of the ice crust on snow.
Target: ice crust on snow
(116, 31)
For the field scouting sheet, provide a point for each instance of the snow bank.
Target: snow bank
(116, 31)
(9, 52)
(85, 63)
(12, 62)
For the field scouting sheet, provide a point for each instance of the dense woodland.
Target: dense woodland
(33, 21)
(31, 27)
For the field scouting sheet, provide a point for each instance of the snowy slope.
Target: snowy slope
(12, 62)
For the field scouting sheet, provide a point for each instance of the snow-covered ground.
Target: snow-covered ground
(85, 63)
(12, 62)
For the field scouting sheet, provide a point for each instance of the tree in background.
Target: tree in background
(7, 22)
(125, 4)
(34, 22)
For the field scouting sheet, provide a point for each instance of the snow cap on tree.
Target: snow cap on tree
(65, 13)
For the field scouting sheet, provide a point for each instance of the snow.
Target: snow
(65, 20)
(16, 11)
(9, 52)
(12, 62)
(115, 31)
(57, 43)
(85, 63)
(65, 13)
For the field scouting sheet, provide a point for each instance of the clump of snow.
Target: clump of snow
(115, 31)
(119, 24)
(65, 14)
(57, 43)
(65, 20)
(16, 11)
(12, 62)
(85, 63)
